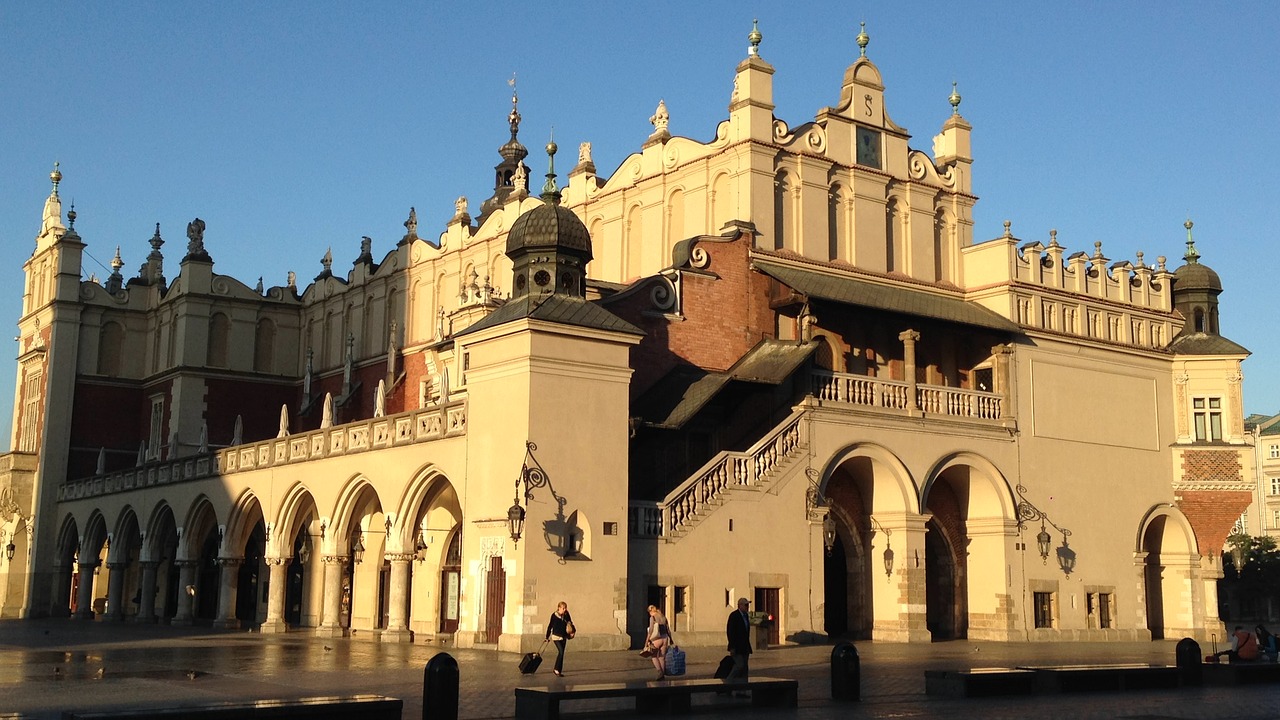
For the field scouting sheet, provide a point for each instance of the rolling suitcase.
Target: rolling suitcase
(726, 665)
(530, 662)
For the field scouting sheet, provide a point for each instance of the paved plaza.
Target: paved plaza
(49, 666)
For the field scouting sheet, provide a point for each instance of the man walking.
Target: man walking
(738, 630)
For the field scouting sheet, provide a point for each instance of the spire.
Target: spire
(56, 177)
(513, 119)
(71, 216)
(753, 49)
(1192, 256)
(115, 281)
(954, 99)
(551, 193)
(863, 40)
(52, 205)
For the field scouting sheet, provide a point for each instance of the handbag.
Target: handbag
(647, 652)
(570, 630)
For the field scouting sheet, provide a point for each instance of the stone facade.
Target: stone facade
(792, 374)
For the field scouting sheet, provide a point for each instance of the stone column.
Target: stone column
(185, 612)
(909, 339)
(397, 618)
(331, 605)
(84, 593)
(1004, 379)
(228, 580)
(275, 596)
(115, 590)
(147, 603)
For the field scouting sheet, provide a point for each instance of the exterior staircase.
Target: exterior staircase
(756, 470)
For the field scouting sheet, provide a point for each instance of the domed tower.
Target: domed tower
(508, 174)
(549, 246)
(1195, 291)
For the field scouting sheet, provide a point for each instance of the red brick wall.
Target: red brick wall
(1203, 465)
(1211, 514)
(945, 507)
(225, 399)
(725, 315)
(114, 417)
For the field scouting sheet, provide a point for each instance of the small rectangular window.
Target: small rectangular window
(1104, 610)
(1043, 602)
(1275, 451)
(1275, 486)
(1207, 418)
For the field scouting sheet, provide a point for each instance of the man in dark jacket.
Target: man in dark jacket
(738, 630)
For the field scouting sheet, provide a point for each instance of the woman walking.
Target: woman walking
(657, 640)
(559, 630)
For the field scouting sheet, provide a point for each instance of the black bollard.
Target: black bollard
(846, 673)
(440, 688)
(1190, 662)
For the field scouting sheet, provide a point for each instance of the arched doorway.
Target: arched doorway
(248, 599)
(836, 590)
(451, 585)
(64, 587)
(944, 591)
(208, 576)
(1167, 551)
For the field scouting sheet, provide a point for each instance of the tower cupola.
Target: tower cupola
(548, 245)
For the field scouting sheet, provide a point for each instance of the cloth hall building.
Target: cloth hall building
(775, 364)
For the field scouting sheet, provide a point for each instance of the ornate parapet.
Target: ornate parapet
(407, 428)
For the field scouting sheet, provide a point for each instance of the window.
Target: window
(1275, 486)
(1099, 607)
(32, 395)
(1043, 606)
(1275, 519)
(157, 427)
(1274, 451)
(1207, 416)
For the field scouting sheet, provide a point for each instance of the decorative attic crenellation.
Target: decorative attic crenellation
(1083, 294)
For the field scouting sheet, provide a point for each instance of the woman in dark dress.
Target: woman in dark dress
(560, 630)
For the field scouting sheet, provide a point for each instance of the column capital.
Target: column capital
(334, 560)
(909, 336)
(114, 566)
(272, 561)
(400, 557)
(230, 561)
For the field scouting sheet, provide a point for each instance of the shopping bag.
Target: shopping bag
(675, 661)
(726, 666)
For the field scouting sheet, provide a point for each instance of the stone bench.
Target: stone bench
(370, 707)
(1096, 678)
(657, 696)
(979, 682)
(1241, 673)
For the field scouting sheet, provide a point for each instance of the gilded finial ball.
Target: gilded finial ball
(1188, 224)
(863, 39)
(552, 147)
(755, 37)
(954, 99)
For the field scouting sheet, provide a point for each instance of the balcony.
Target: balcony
(896, 395)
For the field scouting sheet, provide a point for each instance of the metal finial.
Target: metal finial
(56, 177)
(549, 188)
(863, 39)
(754, 39)
(71, 216)
(513, 119)
(954, 100)
(1192, 256)
(117, 262)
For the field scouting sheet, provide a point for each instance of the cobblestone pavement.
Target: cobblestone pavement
(49, 666)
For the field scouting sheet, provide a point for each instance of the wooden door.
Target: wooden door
(767, 603)
(495, 600)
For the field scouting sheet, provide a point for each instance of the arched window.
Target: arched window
(675, 218)
(941, 246)
(264, 346)
(219, 340)
(110, 349)
(634, 243)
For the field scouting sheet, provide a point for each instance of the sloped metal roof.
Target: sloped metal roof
(907, 301)
(557, 308)
(1198, 343)
(681, 393)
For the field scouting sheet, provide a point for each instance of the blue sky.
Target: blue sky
(294, 127)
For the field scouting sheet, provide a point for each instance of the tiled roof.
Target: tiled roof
(852, 291)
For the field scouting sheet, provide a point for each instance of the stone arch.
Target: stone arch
(993, 498)
(201, 518)
(264, 346)
(65, 571)
(427, 486)
(428, 518)
(357, 533)
(245, 514)
(160, 528)
(867, 487)
(110, 348)
(219, 340)
(1168, 560)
